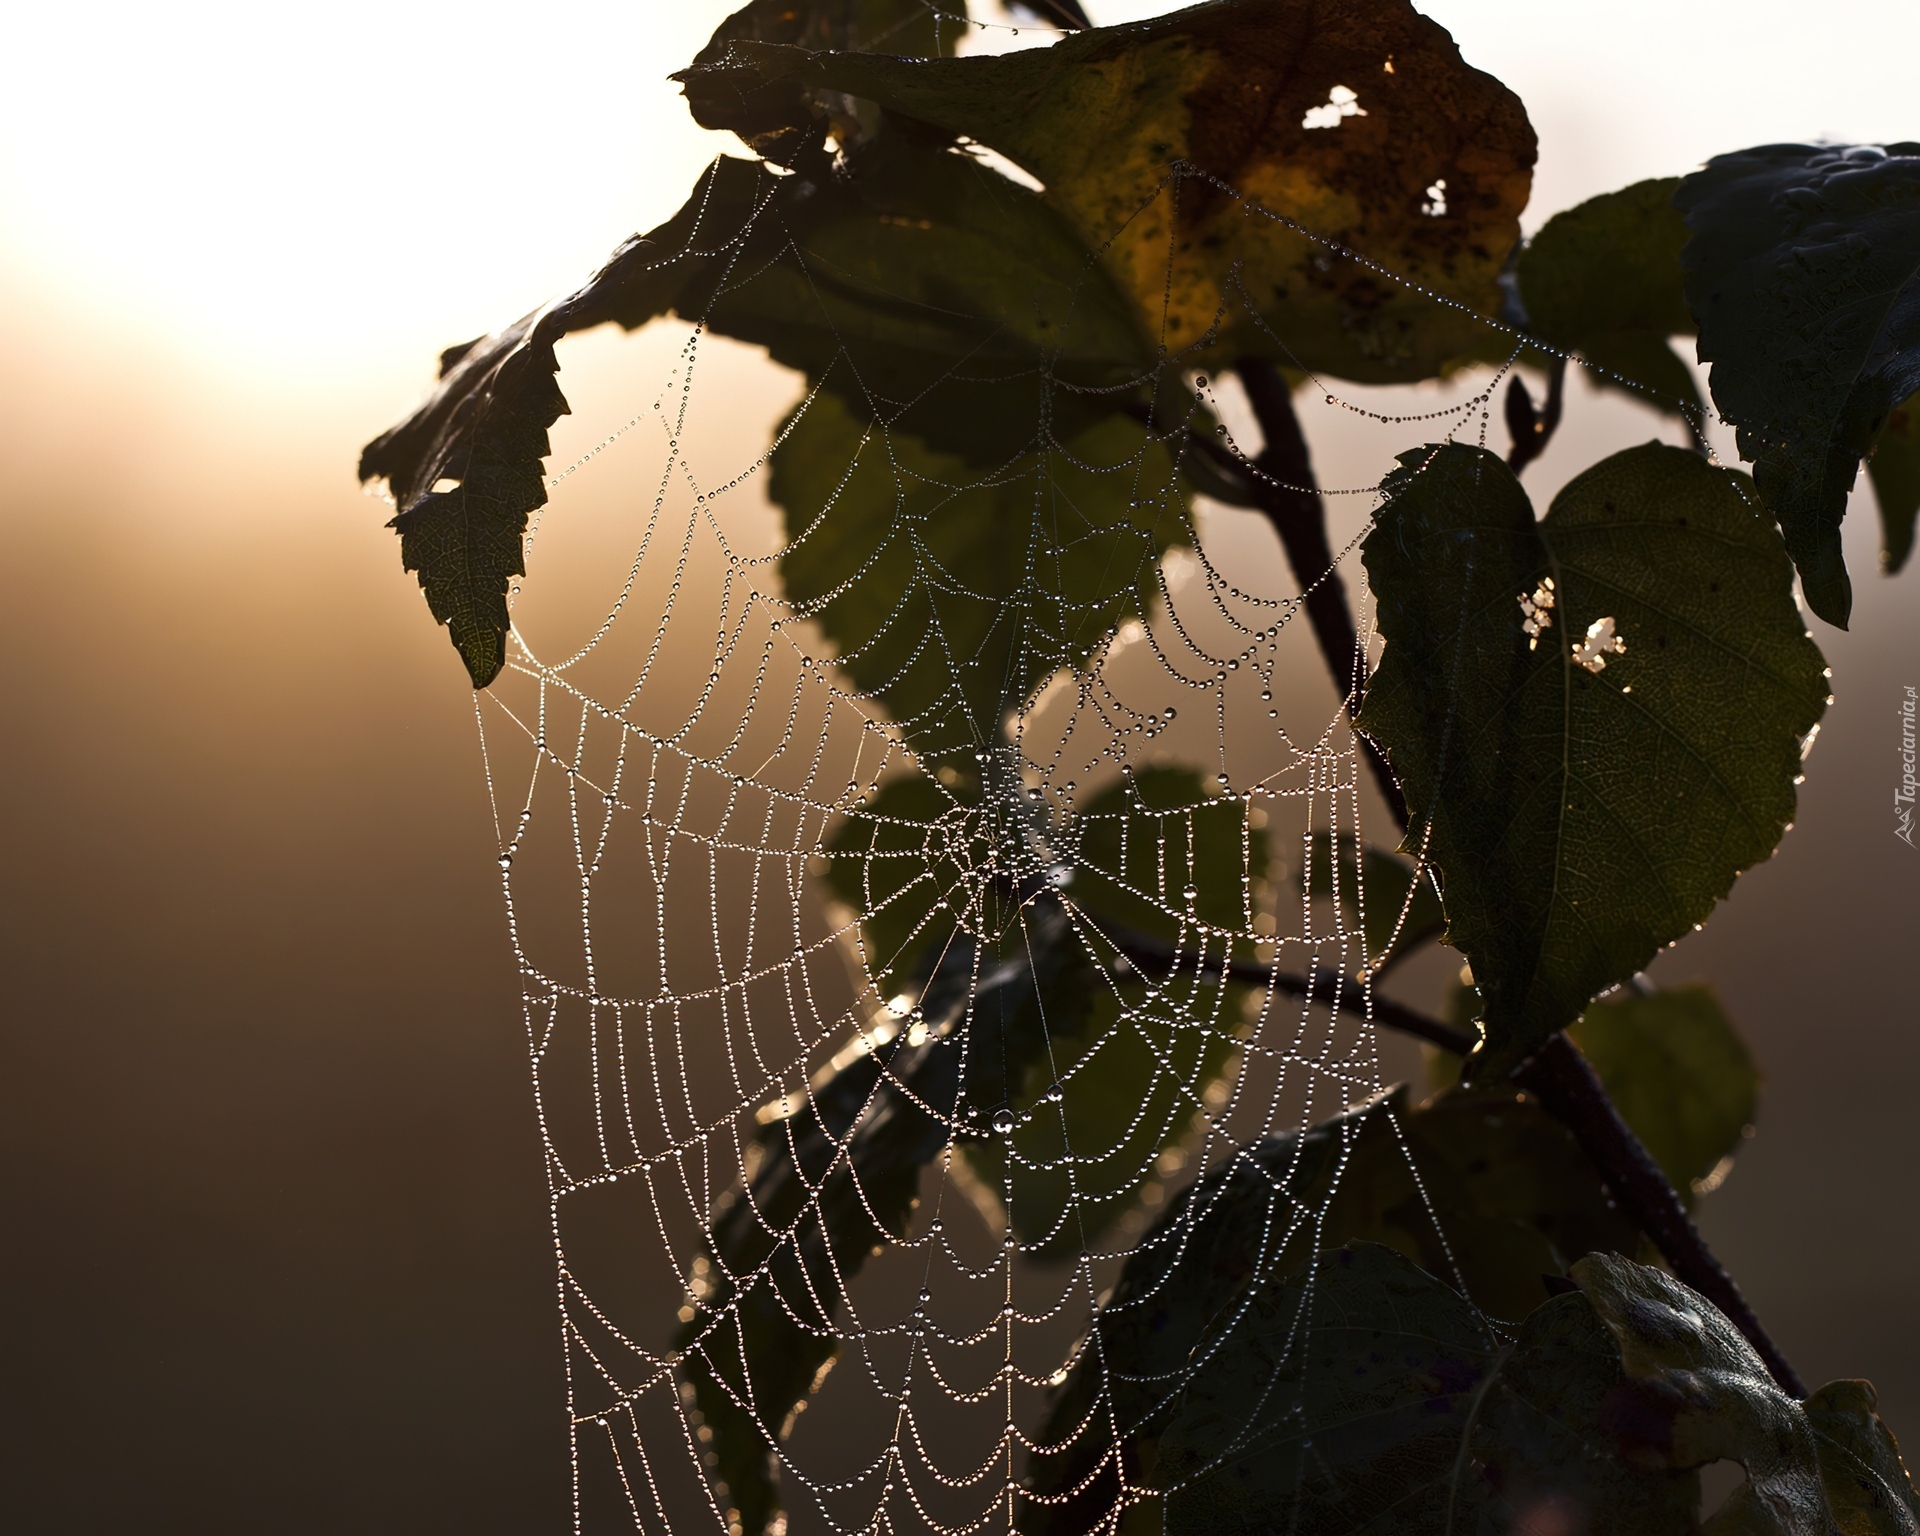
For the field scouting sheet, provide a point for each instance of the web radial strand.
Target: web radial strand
(832, 823)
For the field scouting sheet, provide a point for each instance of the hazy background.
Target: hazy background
(274, 1225)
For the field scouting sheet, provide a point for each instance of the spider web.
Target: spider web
(826, 1008)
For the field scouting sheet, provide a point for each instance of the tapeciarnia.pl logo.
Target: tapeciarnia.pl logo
(1903, 796)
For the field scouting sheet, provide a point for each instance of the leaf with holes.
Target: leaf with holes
(1678, 1072)
(1355, 141)
(1804, 275)
(1592, 796)
(1895, 469)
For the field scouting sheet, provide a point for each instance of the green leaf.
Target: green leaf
(1335, 1406)
(1895, 468)
(1644, 358)
(1610, 264)
(1242, 1227)
(464, 542)
(831, 1182)
(1603, 279)
(1480, 1186)
(1541, 1447)
(1402, 909)
(1169, 143)
(921, 275)
(1671, 1061)
(952, 591)
(925, 277)
(1804, 275)
(1360, 1393)
(1696, 1392)
(1583, 816)
(1129, 1088)
(1505, 1197)
(1678, 1072)
(1866, 1483)
(485, 425)
(1375, 1399)
(1097, 1099)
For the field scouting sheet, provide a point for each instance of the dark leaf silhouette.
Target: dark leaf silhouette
(927, 278)
(1804, 275)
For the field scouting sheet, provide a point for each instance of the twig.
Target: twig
(1571, 1091)
(1286, 492)
(1567, 1088)
(1152, 958)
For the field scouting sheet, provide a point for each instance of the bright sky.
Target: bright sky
(316, 187)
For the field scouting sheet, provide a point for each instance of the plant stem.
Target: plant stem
(1568, 1089)
(1152, 958)
(1284, 489)
(1571, 1091)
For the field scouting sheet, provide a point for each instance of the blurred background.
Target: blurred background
(275, 1222)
